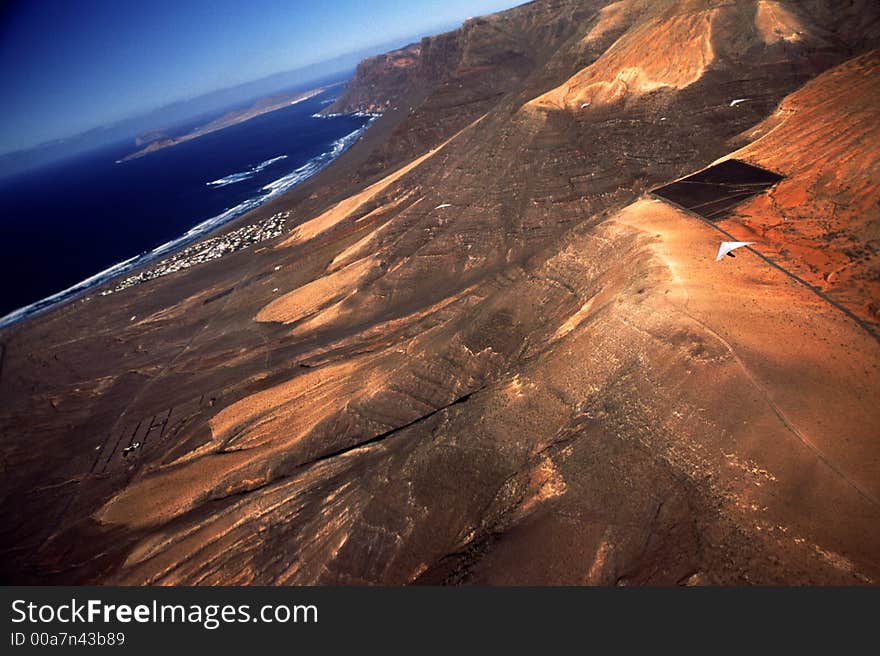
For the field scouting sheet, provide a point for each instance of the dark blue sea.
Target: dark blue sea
(77, 223)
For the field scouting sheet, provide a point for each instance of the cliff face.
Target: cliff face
(380, 79)
(493, 52)
(490, 356)
(449, 80)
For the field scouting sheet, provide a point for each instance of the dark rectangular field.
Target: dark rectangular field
(713, 192)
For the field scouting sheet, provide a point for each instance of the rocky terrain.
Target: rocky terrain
(380, 81)
(481, 352)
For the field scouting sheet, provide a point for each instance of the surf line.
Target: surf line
(268, 192)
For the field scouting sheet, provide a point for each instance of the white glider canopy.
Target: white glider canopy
(727, 246)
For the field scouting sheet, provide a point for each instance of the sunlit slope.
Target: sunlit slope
(823, 220)
(667, 46)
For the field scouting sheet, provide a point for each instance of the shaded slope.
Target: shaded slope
(714, 192)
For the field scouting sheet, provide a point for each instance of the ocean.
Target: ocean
(75, 224)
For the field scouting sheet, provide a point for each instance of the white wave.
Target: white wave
(231, 179)
(73, 290)
(270, 191)
(314, 165)
(370, 115)
(269, 162)
(245, 175)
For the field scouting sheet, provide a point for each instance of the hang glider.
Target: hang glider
(441, 206)
(728, 246)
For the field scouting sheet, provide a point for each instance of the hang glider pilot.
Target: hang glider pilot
(129, 449)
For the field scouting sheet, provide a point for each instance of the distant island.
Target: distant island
(157, 139)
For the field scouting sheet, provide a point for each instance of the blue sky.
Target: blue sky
(69, 65)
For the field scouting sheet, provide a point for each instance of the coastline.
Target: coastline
(204, 229)
(228, 120)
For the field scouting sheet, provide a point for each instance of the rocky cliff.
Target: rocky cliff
(379, 80)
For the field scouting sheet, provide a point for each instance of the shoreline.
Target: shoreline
(228, 120)
(271, 192)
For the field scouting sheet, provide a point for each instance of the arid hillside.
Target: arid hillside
(484, 352)
(823, 220)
